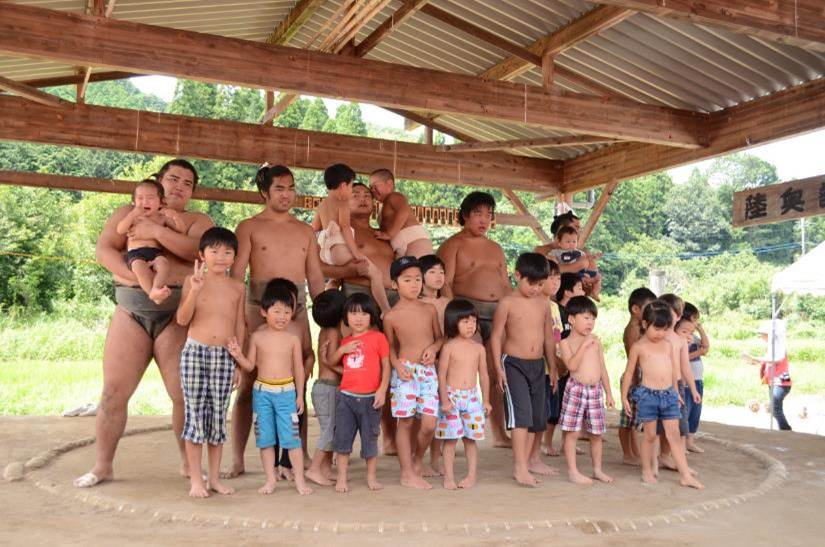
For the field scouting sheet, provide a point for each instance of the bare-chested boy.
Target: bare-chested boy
(523, 323)
(636, 302)
(398, 224)
(212, 307)
(273, 244)
(278, 392)
(476, 269)
(657, 397)
(587, 389)
(145, 257)
(414, 334)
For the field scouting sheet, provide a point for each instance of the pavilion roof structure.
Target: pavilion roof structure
(561, 95)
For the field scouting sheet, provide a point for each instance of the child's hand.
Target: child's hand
(171, 214)
(196, 281)
(379, 400)
(236, 378)
(359, 256)
(382, 235)
(501, 379)
(351, 346)
(234, 348)
(697, 398)
(488, 408)
(299, 404)
(627, 410)
(322, 352)
(447, 405)
(610, 402)
(681, 401)
(428, 357)
(403, 372)
(554, 382)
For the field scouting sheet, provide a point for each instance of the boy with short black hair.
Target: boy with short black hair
(406, 235)
(698, 346)
(567, 238)
(278, 392)
(521, 340)
(587, 389)
(414, 333)
(212, 307)
(636, 302)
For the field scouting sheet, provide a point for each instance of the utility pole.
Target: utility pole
(802, 233)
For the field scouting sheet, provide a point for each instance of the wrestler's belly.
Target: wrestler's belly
(485, 286)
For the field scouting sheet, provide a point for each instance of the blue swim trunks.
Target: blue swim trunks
(656, 404)
(275, 415)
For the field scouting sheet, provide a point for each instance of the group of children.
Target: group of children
(426, 353)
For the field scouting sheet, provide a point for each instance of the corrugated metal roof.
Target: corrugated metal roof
(653, 60)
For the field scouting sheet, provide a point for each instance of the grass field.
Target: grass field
(51, 363)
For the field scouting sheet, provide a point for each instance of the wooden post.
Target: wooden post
(597, 211)
(428, 135)
(522, 208)
(548, 65)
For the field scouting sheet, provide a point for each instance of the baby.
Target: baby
(398, 223)
(145, 257)
(567, 253)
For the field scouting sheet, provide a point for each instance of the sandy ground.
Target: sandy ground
(147, 483)
(805, 413)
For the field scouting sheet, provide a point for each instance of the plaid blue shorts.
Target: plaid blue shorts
(206, 374)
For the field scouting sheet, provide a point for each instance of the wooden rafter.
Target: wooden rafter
(293, 21)
(522, 208)
(407, 10)
(596, 212)
(796, 22)
(544, 142)
(33, 94)
(75, 38)
(156, 133)
(783, 114)
(85, 74)
(76, 78)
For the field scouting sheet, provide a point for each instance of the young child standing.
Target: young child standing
(636, 302)
(698, 346)
(587, 389)
(366, 357)
(145, 256)
(521, 339)
(336, 237)
(278, 391)
(414, 335)
(567, 239)
(398, 223)
(462, 365)
(212, 307)
(657, 397)
(327, 311)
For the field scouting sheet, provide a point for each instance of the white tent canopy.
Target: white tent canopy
(805, 276)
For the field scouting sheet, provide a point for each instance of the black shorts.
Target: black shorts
(554, 400)
(147, 254)
(355, 415)
(524, 394)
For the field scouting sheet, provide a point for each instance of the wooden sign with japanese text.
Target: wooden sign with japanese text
(778, 202)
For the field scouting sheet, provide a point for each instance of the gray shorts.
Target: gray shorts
(354, 414)
(324, 398)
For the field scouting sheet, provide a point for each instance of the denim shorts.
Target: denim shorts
(656, 404)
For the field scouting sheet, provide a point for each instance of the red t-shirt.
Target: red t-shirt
(781, 375)
(362, 368)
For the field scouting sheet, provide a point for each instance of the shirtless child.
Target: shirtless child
(145, 256)
(414, 335)
(636, 302)
(212, 307)
(657, 397)
(462, 365)
(524, 323)
(327, 311)
(398, 223)
(587, 389)
(277, 395)
(336, 238)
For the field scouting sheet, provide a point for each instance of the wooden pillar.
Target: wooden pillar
(597, 211)
(548, 64)
(428, 135)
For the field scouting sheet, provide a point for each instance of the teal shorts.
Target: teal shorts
(276, 416)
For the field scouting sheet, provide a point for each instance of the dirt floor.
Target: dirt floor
(762, 486)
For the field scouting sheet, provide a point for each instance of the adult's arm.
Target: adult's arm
(110, 245)
(502, 268)
(314, 270)
(244, 235)
(447, 252)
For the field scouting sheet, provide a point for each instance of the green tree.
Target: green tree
(315, 115)
(696, 219)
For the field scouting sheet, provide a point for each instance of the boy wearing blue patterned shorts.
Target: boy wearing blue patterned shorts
(414, 334)
(212, 306)
(277, 394)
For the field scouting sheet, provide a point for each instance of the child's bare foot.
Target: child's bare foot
(540, 468)
(692, 471)
(602, 476)
(303, 489)
(286, 474)
(198, 490)
(429, 471)
(415, 482)
(577, 478)
(267, 488)
(631, 460)
(389, 449)
(318, 478)
(691, 483)
(235, 470)
(550, 451)
(649, 478)
(450, 484)
(373, 484)
(503, 443)
(668, 463)
(579, 451)
(218, 487)
(159, 294)
(691, 447)
(341, 486)
(467, 482)
(525, 479)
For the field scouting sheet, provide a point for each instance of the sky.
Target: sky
(794, 158)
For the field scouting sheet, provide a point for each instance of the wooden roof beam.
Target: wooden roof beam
(293, 21)
(787, 113)
(168, 134)
(799, 23)
(545, 142)
(79, 39)
(33, 94)
(407, 10)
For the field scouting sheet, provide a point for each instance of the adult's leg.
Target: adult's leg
(167, 348)
(126, 354)
(779, 393)
(496, 419)
(521, 446)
